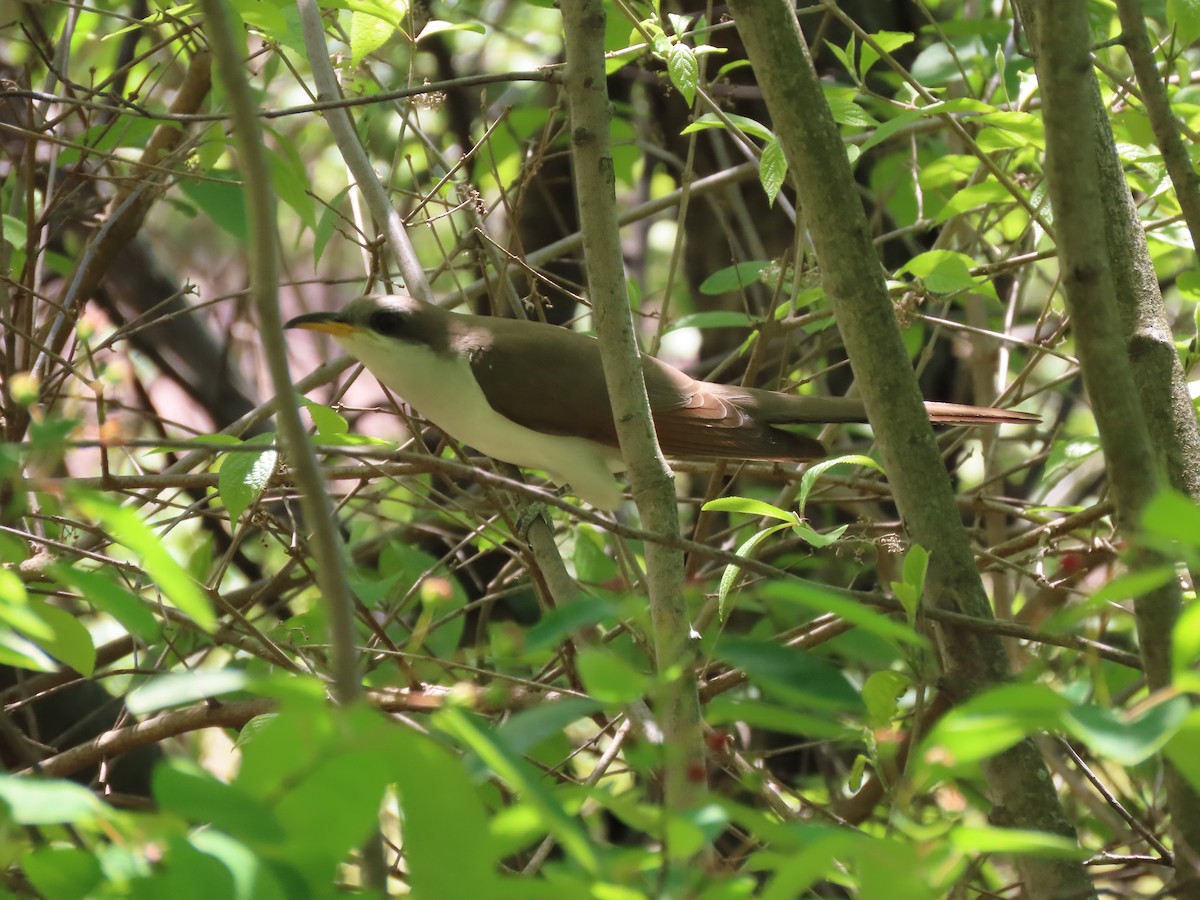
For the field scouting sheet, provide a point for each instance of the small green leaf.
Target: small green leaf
(843, 105)
(368, 32)
(846, 56)
(684, 71)
(749, 126)
(975, 196)
(1185, 640)
(327, 224)
(244, 475)
(819, 600)
(815, 538)
(328, 422)
(220, 195)
(942, 271)
(881, 691)
(290, 178)
(916, 564)
(888, 42)
(734, 278)
(437, 26)
(729, 576)
(750, 507)
(816, 470)
(772, 170)
(609, 678)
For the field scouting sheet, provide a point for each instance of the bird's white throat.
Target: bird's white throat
(442, 388)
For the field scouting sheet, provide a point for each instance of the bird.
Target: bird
(533, 394)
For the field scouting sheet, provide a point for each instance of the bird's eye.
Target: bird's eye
(387, 322)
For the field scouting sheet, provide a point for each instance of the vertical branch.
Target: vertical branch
(1021, 787)
(1073, 170)
(264, 279)
(652, 482)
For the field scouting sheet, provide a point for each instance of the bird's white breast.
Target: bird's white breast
(442, 388)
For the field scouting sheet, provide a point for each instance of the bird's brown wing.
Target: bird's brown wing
(557, 387)
(553, 386)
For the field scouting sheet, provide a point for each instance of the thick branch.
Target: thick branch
(840, 234)
(652, 482)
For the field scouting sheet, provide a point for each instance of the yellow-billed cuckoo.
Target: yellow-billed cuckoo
(534, 395)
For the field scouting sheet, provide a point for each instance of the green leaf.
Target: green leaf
(881, 693)
(368, 32)
(750, 507)
(526, 729)
(991, 723)
(1021, 842)
(975, 196)
(820, 600)
(843, 104)
(609, 678)
(182, 787)
(772, 170)
(529, 785)
(100, 589)
(69, 641)
(39, 801)
(559, 623)
(729, 576)
(734, 278)
(437, 26)
(916, 565)
(130, 531)
(252, 873)
(742, 123)
(64, 873)
(726, 710)
(244, 475)
(1183, 749)
(592, 564)
(888, 41)
(684, 71)
(1185, 640)
(221, 197)
(1171, 516)
(327, 224)
(942, 271)
(816, 470)
(1127, 741)
(289, 177)
(793, 676)
(1184, 17)
(182, 688)
(327, 421)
